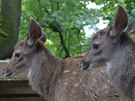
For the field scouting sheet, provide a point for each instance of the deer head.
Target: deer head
(24, 51)
(106, 41)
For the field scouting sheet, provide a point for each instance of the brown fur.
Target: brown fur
(56, 79)
(100, 33)
(62, 80)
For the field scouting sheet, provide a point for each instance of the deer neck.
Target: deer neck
(121, 67)
(44, 73)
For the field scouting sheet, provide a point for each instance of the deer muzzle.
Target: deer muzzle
(7, 73)
(84, 65)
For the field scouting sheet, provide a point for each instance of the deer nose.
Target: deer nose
(84, 65)
(7, 73)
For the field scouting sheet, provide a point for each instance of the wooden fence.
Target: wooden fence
(17, 88)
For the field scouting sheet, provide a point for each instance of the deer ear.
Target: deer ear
(34, 32)
(120, 22)
(131, 26)
(43, 37)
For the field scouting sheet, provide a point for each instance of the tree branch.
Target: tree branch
(63, 45)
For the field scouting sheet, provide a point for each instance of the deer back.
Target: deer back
(79, 85)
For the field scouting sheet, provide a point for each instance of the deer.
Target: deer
(114, 48)
(58, 79)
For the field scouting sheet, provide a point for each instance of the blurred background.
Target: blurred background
(69, 24)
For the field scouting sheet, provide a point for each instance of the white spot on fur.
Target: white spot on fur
(106, 92)
(81, 80)
(59, 80)
(65, 83)
(105, 86)
(86, 93)
(102, 71)
(84, 85)
(94, 80)
(74, 72)
(67, 71)
(108, 81)
(66, 79)
(76, 85)
(72, 78)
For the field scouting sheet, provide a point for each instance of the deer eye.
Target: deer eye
(95, 46)
(17, 55)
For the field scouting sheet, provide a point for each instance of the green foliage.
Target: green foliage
(65, 20)
(109, 7)
(65, 17)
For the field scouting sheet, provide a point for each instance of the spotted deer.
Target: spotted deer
(114, 48)
(58, 79)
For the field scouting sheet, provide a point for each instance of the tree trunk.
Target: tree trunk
(10, 24)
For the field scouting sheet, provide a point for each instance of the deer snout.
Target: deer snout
(7, 73)
(85, 65)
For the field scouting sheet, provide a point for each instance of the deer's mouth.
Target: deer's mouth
(7, 73)
(86, 65)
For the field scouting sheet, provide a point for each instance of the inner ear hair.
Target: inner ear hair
(120, 22)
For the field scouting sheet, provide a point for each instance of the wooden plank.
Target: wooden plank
(18, 95)
(22, 99)
(17, 88)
